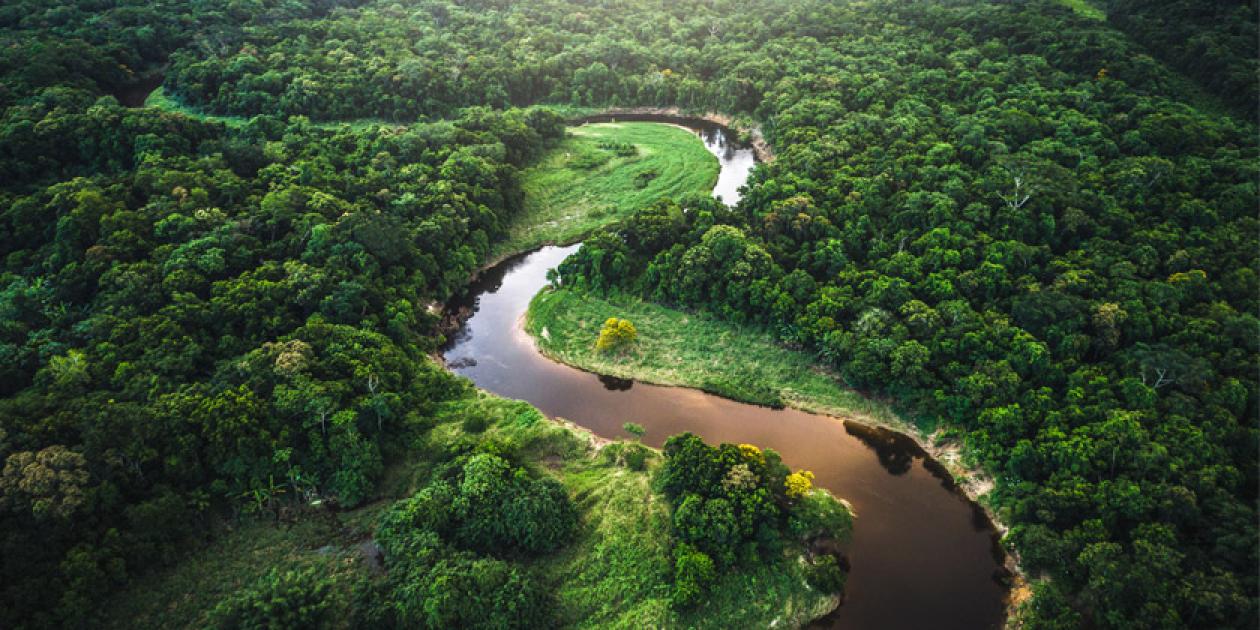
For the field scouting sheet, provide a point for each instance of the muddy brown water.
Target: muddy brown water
(922, 555)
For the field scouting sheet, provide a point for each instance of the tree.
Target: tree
(616, 334)
(50, 483)
(693, 573)
(798, 484)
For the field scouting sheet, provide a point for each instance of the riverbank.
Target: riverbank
(741, 363)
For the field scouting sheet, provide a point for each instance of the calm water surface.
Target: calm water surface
(922, 555)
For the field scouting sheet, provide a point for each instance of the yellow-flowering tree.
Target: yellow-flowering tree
(799, 483)
(752, 453)
(617, 333)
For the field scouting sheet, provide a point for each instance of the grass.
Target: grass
(1085, 8)
(579, 186)
(692, 350)
(183, 595)
(615, 574)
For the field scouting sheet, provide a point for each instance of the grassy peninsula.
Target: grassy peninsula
(600, 173)
(691, 350)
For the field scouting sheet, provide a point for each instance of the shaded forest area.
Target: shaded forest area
(1006, 217)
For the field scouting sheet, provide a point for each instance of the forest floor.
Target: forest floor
(578, 187)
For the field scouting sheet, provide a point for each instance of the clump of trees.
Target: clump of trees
(449, 549)
(736, 504)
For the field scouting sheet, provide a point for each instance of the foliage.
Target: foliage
(216, 320)
(293, 598)
(693, 574)
(635, 429)
(1005, 216)
(734, 505)
(967, 216)
(616, 334)
(825, 574)
(798, 484)
(1213, 42)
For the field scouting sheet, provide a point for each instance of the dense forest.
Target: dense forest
(1032, 227)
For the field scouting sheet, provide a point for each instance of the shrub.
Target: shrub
(636, 456)
(818, 514)
(693, 573)
(616, 334)
(825, 574)
(280, 599)
(798, 484)
(475, 424)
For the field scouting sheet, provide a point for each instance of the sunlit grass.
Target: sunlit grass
(577, 186)
(691, 350)
(1086, 8)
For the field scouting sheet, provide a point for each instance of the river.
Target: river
(922, 555)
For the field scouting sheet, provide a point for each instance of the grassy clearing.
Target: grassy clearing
(615, 574)
(1085, 8)
(183, 595)
(579, 185)
(691, 350)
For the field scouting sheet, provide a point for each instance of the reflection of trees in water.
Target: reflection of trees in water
(896, 452)
(612, 383)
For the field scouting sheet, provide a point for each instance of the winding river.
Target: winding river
(922, 555)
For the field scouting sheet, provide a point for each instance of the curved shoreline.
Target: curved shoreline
(943, 461)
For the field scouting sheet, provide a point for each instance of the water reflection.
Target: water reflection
(614, 384)
(895, 452)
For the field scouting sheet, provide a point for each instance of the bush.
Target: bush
(818, 514)
(280, 599)
(475, 424)
(616, 334)
(825, 574)
(636, 456)
(620, 149)
(693, 573)
(499, 507)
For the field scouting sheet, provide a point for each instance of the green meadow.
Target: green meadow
(601, 173)
(692, 350)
